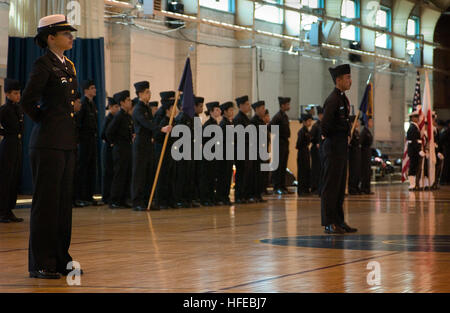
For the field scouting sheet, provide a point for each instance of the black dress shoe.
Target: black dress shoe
(220, 203)
(206, 203)
(251, 200)
(139, 208)
(98, 202)
(44, 274)
(66, 272)
(347, 228)
(4, 219)
(115, 206)
(334, 229)
(14, 219)
(195, 204)
(78, 204)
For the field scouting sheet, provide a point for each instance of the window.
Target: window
(269, 13)
(221, 5)
(350, 10)
(307, 19)
(412, 29)
(383, 21)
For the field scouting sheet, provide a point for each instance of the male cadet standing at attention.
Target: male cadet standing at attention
(316, 140)
(107, 156)
(11, 128)
(87, 134)
(165, 187)
(335, 132)
(242, 188)
(257, 177)
(198, 106)
(184, 169)
(120, 134)
(303, 156)
(415, 152)
(144, 127)
(281, 119)
(53, 143)
(225, 166)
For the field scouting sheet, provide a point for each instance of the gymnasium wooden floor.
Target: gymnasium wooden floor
(229, 249)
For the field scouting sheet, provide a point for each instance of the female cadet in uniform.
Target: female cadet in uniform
(52, 81)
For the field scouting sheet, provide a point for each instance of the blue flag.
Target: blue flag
(366, 104)
(188, 90)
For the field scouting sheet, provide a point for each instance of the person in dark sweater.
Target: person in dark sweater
(225, 167)
(303, 156)
(120, 133)
(11, 128)
(107, 156)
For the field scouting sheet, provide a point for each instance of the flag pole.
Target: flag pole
(166, 138)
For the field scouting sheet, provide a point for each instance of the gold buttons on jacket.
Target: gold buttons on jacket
(73, 91)
(70, 79)
(71, 114)
(72, 103)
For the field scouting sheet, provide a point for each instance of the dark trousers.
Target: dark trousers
(242, 188)
(225, 169)
(120, 185)
(445, 175)
(87, 167)
(165, 189)
(197, 165)
(334, 179)
(209, 180)
(354, 170)
(142, 173)
(184, 170)
(366, 172)
(10, 172)
(108, 172)
(51, 209)
(257, 179)
(438, 171)
(303, 171)
(315, 168)
(279, 175)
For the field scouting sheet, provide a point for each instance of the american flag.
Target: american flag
(416, 106)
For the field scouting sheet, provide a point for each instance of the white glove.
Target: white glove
(422, 154)
(440, 156)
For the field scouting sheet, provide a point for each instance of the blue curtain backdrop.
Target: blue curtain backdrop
(88, 56)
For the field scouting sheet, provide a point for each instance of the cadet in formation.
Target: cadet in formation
(11, 128)
(335, 132)
(303, 156)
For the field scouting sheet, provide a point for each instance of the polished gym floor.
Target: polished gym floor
(403, 245)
